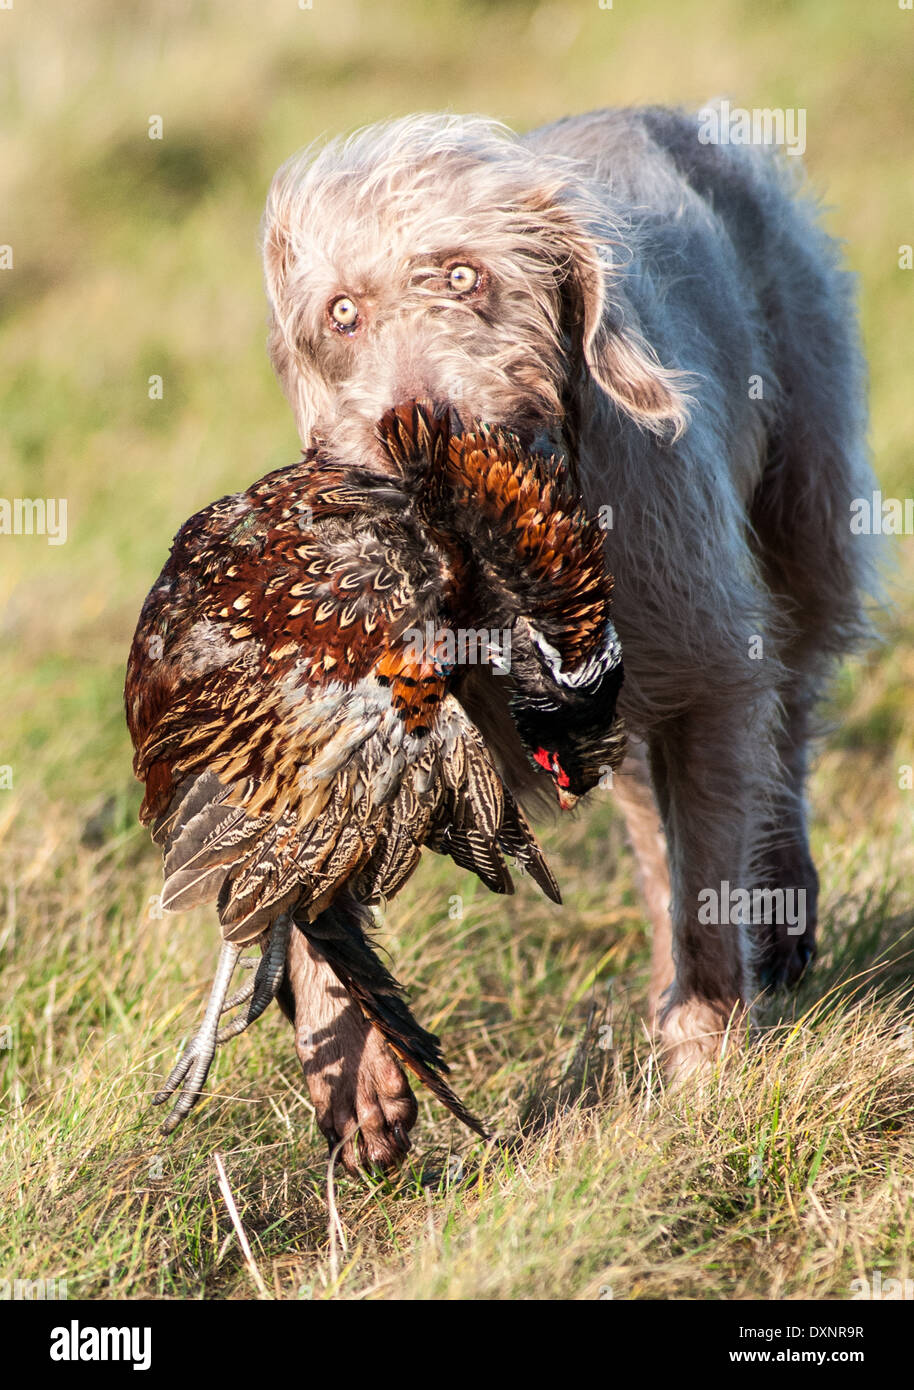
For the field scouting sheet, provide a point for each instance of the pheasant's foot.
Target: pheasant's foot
(242, 995)
(266, 982)
(192, 1067)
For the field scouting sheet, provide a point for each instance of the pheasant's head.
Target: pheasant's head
(550, 761)
(566, 717)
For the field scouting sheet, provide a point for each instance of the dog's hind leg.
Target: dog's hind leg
(636, 796)
(817, 570)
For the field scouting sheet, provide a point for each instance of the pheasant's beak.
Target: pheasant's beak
(567, 799)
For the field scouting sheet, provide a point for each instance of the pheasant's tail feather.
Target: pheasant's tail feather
(432, 1079)
(338, 933)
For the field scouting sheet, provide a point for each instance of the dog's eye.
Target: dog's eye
(462, 278)
(344, 312)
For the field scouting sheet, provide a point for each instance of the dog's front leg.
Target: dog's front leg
(712, 765)
(357, 1087)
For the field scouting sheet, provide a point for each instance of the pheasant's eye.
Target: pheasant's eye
(344, 312)
(550, 761)
(462, 278)
(547, 760)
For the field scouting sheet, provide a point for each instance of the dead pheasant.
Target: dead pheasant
(298, 748)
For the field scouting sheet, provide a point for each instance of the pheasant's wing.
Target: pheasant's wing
(356, 796)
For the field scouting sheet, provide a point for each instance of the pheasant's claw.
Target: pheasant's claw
(263, 988)
(193, 1066)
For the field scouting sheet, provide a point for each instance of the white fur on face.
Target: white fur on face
(380, 218)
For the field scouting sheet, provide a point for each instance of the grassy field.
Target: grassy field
(788, 1175)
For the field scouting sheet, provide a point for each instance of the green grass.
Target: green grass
(785, 1175)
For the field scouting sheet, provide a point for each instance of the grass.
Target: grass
(786, 1174)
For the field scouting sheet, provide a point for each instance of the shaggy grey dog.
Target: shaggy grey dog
(668, 314)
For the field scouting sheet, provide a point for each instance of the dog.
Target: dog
(668, 315)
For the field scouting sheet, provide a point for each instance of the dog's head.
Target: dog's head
(440, 257)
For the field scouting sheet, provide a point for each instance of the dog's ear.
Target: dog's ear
(604, 330)
(277, 253)
(276, 265)
(301, 387)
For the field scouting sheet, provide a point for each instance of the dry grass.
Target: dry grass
(786, 1174)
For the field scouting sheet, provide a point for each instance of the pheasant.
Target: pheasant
(298, 721)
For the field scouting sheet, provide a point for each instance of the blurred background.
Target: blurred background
(134, 258)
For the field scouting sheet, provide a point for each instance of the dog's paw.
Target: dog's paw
(695, 1033)
(784, 960)
(359, 1092)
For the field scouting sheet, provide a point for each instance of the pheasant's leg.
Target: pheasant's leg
(266, 982)
(198, 1055)
(356, 1084)
(196, 1060)
(242, 995)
